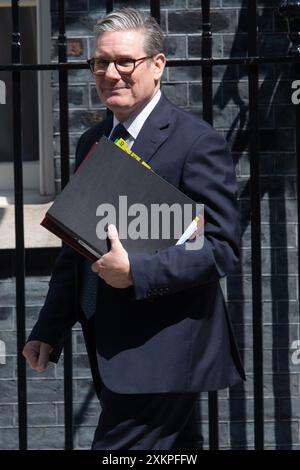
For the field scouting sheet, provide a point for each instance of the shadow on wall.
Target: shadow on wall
(277, 183)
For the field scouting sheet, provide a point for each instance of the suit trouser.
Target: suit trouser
(162, 421)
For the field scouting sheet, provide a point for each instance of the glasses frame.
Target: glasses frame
(91, 63)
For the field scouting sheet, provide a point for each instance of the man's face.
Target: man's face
(126, 94)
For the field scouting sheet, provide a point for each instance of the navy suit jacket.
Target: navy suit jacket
(170, 332)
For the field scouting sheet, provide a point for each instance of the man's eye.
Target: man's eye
(125, 62)
(101, 63)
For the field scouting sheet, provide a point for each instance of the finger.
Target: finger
(113, 236)
(97, 265)
(31, 356)
(43, 357)
(200, 226)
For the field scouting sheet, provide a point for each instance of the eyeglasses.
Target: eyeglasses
(124, 66)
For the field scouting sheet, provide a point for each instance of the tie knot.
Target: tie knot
(119, 132)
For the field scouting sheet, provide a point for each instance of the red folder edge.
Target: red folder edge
(53, 228)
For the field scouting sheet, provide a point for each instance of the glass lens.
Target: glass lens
(100, 65)
(125, 65)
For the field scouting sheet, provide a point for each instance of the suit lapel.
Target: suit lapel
(155, 130)
(108, 123)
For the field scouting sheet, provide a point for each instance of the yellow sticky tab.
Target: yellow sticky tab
(146, 165)
(120, 143)
(123, 145)
(134, 155)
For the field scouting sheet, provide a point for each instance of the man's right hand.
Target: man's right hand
(37, 354)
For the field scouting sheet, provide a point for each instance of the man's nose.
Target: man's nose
(112, 72)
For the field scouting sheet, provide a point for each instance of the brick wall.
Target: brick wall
(181, 21)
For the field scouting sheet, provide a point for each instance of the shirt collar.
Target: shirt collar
(134, 124)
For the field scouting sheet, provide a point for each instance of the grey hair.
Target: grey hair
(132, 19)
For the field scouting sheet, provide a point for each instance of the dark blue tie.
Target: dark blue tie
(119, 132)
(89, 284)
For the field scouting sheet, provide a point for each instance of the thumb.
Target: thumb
(31, 353)
(44, 357)
(113, 236)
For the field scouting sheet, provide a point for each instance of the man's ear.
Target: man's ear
(159, 62)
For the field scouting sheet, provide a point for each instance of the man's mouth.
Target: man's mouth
(116, 88)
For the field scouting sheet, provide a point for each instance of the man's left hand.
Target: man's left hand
(114, 266)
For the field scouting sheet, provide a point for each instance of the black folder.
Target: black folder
(107, 179)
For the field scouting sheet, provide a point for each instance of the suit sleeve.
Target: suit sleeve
(208, 177)
(59, 311)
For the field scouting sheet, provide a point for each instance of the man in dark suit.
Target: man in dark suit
(158, 332)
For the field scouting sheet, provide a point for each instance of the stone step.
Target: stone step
(35, 207)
